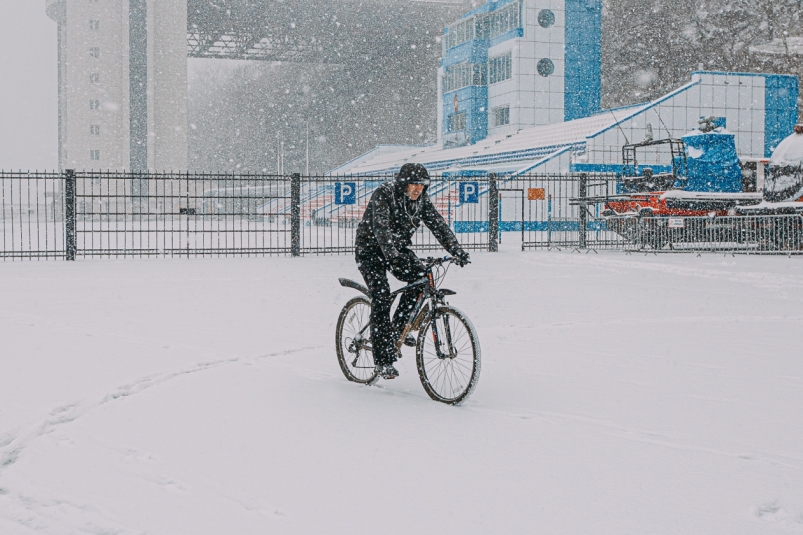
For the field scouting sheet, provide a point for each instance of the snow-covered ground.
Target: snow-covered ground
(619, 395)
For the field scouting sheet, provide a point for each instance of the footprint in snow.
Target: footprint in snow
(774, 512)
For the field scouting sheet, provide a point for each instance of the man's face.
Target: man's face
(414, 191)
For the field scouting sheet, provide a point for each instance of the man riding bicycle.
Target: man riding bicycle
(384, 237)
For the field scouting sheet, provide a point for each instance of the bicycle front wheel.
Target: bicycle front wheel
(353, 341)
(448, 356)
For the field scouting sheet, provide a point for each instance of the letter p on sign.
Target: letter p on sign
(469, 192)
(345, 192)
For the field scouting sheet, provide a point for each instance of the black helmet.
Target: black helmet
(413, 173)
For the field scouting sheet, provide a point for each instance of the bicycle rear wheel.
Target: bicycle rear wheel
(448, 356)
(353, 341)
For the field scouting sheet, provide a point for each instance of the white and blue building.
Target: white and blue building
(519, 87)
(518, 63)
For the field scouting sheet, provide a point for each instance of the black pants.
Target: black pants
(384, 332)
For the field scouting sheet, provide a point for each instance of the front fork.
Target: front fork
(442, 339)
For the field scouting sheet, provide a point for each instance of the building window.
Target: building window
(94, 52)
(545, 67)
(94, 129)
(463, 75)
(503, 20)
(94, 25)
(94, 155)
(500, 68)
(94, 104)
(546, 18)
(501, 115)
(485, 26)
(460, 33)
(94, 78)
(457, 122)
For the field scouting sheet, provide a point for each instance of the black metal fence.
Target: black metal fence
(544, 211)
(116, 214)
(32, 217)
(120, 214)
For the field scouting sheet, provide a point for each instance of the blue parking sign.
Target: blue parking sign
(469, 192)
(345, 192)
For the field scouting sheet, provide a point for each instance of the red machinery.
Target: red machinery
(656, 209)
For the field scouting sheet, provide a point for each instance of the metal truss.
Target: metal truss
(313, 31)
(252, 46)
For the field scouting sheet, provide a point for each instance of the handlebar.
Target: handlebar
(437, 261)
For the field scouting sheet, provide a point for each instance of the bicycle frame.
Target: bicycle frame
(421, 313)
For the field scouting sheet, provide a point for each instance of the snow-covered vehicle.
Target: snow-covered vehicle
(708, 194)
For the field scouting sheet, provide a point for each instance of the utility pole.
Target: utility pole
(306, 145)
(279, 154)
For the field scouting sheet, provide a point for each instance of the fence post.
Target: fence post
(295, 214)
(583, 212)
(69, 214)
(493, 214)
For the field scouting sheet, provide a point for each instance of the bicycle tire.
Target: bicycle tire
(360, 368)
(450, 380)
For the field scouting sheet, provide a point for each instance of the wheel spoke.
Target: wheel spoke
(452, 378)
(354, 320)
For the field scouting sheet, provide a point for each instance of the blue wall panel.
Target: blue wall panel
(474, 51)
(781, 109)
(461, 227)
(507, 36)
(474, 101)
(583, 67)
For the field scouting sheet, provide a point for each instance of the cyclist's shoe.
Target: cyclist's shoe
(386, 371)
(409, 341)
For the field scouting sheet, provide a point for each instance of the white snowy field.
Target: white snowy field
(619, 395)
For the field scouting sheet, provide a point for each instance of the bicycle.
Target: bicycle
(447, 350)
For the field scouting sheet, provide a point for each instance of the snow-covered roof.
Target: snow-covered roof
(789, 151)
(501, 153)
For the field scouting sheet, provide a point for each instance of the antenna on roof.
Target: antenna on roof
(627, 141)
(668, 133)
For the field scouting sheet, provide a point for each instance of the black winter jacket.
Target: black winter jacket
(390, 220)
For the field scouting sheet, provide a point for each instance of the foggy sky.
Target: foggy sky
(640, 62)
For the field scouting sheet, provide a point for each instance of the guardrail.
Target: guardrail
(766, 234)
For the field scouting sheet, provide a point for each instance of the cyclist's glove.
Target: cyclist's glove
(461, 258)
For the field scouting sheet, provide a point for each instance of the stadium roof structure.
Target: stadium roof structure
(315, 31)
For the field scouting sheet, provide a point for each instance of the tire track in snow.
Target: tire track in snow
(695, 320)
(13, 443)
(614, 430)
